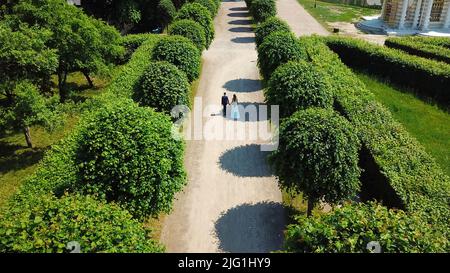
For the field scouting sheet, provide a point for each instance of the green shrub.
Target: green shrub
(127, 154)
(414, 47)
(162, 86)
(211, 5)
(437, 41)
(261, 10)
(352, 227)
(131, 42)
(201, 15)
(47, 224)
(427, 77)
(318, 156)
(191, 30)
(166, 11)
(181, 52)
(298, 85)
(272, 24)
(277, 48)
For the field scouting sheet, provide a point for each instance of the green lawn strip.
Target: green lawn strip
(326, 12)
(427, 123)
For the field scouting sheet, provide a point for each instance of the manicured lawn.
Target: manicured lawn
(427, 123)
(332, 12)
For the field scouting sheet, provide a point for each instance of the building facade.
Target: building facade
(417, 14)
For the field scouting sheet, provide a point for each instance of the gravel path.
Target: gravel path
(301, 22)
(232, 202)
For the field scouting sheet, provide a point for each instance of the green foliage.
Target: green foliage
(162, 87)
(201, 15)
(132, 42)
(272, 24)
(127, 154)
(437, 41)
(277, 48)
(298, 85)
(181, 52)
(191, 30)
(211, 5)
(166, 11)
(427, 77)
(261, 10)
(47, 224)
(318, 156)
(415, 47)
(352, 227)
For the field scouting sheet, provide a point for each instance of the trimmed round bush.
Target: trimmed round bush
(162, 86)
(127, 154)
(45, 223)
(201, 15)
(211, 5)
(181, 52)
(191, 30)
(166, 11)
(352, 227)
(298, 85)
(276, 49)
(318, 156)
(262, 9)
(272, 24)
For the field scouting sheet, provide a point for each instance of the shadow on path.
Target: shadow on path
(243, 85)
(245, 161)
(239, 9)
(240, 22)
(256, 228)
(241, 29)
(243, 40)
(239, 14)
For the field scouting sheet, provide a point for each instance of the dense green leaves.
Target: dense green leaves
(181, 52)
(318, 155)
(211, 5)
(162, 86)
(352, 227)
(298, 85)
(272, 24)
(47, 224)
(262, 9)
(422, 49)
(191, 30)
(127, 154)
(166, 11)
(277, 48)
(201, 15)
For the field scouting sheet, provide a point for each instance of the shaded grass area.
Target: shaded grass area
(427, 123)
(333, 12)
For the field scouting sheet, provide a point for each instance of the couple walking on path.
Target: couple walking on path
(234, 106)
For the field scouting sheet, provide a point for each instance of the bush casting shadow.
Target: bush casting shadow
(243, 85)
(251, 228)
(246, 161)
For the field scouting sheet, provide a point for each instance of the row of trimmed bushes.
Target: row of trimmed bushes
(426, 77)
(420, 185)
(261, 10)
(414, 47)
(437, 41)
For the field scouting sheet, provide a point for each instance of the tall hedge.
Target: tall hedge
(261, 10)
(298, 85)
(191, 30)
(127, 154)
(162, 86)
(181, 52)
(426, 77)
(45, 223)
(201, 15)
(211, 5)
(352, 227)
(277, 48)
(318, 156)
(272, 24)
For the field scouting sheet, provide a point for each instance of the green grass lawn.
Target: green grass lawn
(333, 12)
(427, 123)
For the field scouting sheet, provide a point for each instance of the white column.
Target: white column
(383, 8)
(426, 15)
(447, 17)
(417, 13)
(401, 24)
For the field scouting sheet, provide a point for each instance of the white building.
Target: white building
(421, 15)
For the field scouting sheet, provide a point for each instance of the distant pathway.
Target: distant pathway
(232, 202)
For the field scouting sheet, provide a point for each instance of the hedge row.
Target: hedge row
(261, 10)
(198, 13)
(414, 47)
(437, 41)
(427, 77)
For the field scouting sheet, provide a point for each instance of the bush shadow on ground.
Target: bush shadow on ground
(245, 161)
(243, 85)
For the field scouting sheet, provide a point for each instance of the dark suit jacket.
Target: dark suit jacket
(225, 100)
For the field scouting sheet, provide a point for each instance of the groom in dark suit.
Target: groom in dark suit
(225, 102)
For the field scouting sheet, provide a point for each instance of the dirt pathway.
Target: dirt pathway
(301, 22)
(232, 202)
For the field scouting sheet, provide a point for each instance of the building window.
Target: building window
(436, 10)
